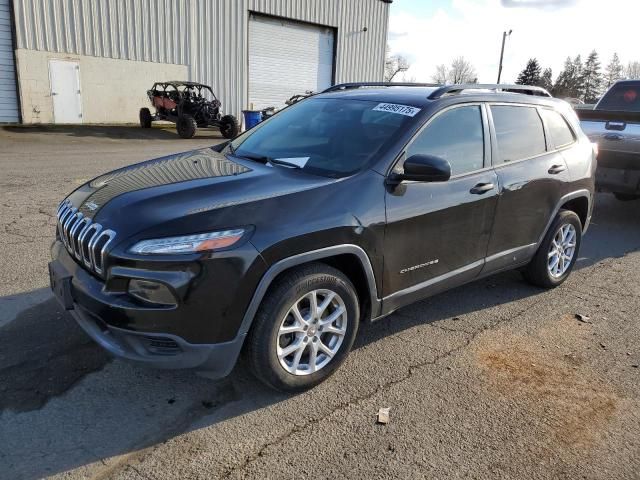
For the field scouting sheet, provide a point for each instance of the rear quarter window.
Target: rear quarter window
(557, 128)
(622, 97)
(519, 132)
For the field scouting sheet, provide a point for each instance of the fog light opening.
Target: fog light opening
(151, 292)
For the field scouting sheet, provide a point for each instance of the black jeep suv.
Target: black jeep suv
(341, 208)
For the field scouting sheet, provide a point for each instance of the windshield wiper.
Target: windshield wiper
(265, 159)
(278, 161)
(254, 157)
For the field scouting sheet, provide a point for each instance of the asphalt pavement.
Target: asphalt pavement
(496, 379)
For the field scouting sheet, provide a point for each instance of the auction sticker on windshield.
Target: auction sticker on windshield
(395, 108)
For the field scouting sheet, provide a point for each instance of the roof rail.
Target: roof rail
(456, 89)
(349, 86)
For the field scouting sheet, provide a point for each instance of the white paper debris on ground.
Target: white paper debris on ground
(383, 415)
(582, 318)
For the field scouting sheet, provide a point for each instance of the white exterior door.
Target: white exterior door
(65, 90)
(287, 58)
(8, 92)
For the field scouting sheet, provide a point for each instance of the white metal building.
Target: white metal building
(92, 61)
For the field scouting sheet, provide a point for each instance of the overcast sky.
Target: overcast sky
(430, 32)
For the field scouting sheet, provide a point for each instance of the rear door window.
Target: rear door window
(519, 132)
(557, 128)
(622, 97)
(457, 136)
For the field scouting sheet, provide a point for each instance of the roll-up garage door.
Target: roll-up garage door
(8, 91)
(287, 58)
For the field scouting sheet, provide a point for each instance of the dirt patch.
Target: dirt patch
(542, 378)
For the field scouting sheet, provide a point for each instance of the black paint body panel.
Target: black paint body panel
(442, 229)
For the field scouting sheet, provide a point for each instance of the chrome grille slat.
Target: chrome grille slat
(80, 227)
(86, 240)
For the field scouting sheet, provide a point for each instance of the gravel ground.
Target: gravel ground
(496, 379)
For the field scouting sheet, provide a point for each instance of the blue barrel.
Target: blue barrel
(251, 118)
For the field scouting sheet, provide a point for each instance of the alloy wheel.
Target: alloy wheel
(311, 332)
(562, 250)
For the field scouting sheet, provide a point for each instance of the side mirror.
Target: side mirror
(424, 168)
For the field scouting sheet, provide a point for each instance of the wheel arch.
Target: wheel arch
(577, 199)
(351, 260)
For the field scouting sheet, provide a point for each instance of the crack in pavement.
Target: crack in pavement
(411, 370)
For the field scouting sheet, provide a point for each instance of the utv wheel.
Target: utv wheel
(304, 328)
(145, 118)
(625, 197)
(558, 252)
(186, 126)
(229, 127)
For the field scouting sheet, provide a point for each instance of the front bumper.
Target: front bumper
(159, 336)
(160, 350)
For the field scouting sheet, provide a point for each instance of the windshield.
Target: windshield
(324, 136)
(622, 97)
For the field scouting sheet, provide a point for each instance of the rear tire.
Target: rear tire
(186, 126)
(145, 118)
(625, 197)
(558, 252)
(317, 344)
(229, 127)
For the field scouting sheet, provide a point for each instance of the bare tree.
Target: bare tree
(633, 71)
(393, 65)
(460, 71)
(442, 74)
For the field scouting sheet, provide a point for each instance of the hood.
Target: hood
(173, 169)
(167, 193)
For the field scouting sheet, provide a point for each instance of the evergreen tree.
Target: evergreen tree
(578, 80)
(546, 80)
(531, 73)
(614, 71)
(566, 82)
(591, 78)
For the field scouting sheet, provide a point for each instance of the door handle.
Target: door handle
(481, 188)
(612, 136)
(555, 169)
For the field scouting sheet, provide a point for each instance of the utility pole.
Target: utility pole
(504, 39)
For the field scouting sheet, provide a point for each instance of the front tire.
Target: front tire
(145, 118)
(229, 127)
(289, 347)
(558, 252)
(186, 126)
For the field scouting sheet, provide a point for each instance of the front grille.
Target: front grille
(85, 240)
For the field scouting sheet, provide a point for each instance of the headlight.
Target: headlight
(189, 243)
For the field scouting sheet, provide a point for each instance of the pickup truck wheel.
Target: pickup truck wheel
(186, 126)
(304, 328)
(625, 197)
(557, 253)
